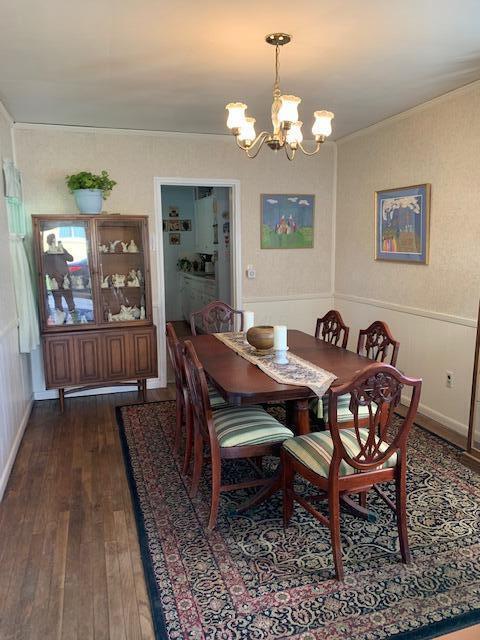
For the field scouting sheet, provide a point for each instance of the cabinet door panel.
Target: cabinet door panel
(144, 354)
(59, 362)
(115, 356)
(89, 358)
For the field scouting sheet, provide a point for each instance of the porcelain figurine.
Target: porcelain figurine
(140, 276)
(132, 247)
(125, 247)
(66, 282)
(59, 316)
(132, 279)
(53, 284)
(125, 314)
(113, 246)
(142, 313)
(110, 317)
(83, 320)
(118, 280)
(103, 248)
(136, 313)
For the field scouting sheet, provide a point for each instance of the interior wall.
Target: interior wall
(431, 308)
(46, 154)
(15, 383)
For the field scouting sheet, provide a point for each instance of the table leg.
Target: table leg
(61, 399)
(302, 419)
(290, 413)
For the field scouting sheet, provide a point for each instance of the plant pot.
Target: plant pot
(89, 200)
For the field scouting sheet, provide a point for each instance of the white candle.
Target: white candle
(248, 320)
(280, 337)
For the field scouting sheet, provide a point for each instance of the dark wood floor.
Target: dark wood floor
(70, 565)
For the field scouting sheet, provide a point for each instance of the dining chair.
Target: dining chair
(377, 343)
(331, 328)
(215, 317)
(340, 462)
(231, 433)
(183, 410)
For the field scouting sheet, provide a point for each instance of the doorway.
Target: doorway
(198, 259)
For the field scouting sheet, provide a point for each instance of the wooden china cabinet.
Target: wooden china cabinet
(95, 301)
(471, 456)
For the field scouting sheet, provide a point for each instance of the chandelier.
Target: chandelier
(287, 128)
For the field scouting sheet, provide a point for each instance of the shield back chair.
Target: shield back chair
(216, 317)
(183, 425)
(377, 343)
(341, 462)
(230, 433)
(331, 328)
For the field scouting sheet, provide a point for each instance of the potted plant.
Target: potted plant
(90, 189)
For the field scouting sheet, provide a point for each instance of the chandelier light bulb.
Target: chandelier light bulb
(323, 123)
(247, 131)
(294, 134)
(289, 109)
(236, 115)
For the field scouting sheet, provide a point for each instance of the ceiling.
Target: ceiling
(172, 65)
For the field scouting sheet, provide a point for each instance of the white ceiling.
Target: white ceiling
(173, 64)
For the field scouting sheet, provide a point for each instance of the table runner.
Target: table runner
(298, 371)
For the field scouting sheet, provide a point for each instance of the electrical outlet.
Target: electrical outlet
(449, 379)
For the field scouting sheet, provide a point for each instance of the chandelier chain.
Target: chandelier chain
(276, 86)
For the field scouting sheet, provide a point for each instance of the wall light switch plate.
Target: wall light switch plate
(251, 273)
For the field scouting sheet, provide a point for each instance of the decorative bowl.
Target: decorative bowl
(260, 337)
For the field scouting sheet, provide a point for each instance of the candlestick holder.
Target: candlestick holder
(281, 356)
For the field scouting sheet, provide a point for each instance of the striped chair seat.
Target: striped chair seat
(343, 412)
(242, 426)
(216, 400)
(315, 451)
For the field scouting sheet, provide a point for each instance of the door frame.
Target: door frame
(236, 253)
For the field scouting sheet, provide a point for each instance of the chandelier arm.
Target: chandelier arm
(292, 151)
(259, 140)
(310, 153)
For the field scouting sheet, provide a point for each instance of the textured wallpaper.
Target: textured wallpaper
(439, 144)
(45, 155)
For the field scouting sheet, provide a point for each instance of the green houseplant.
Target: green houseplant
(89, 189)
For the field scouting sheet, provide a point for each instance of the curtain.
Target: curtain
(19, 226)
(28, 333)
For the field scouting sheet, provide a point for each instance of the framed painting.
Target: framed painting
(287, 221)
(402, 224)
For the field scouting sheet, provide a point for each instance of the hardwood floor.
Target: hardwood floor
(70, 565)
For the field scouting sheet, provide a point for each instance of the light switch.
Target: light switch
(251, 273)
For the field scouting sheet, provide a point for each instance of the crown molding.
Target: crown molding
(472, 86)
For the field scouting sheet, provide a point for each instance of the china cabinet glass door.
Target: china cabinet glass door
(121, 271)
(66, 268)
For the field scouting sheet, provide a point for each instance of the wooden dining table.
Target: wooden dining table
(241, 383)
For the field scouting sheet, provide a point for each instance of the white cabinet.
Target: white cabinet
(204, 221)
(196, 293)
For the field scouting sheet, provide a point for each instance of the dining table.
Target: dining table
(241, 382)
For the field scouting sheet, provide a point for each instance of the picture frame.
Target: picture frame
(402, 224)
(287, 221)
(186, 225)
(173, 212)
(175, 238)
(174, 225)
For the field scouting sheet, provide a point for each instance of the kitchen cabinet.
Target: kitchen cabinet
(196, 292)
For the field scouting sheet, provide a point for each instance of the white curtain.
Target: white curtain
(29, 337)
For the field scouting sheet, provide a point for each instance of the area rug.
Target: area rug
(251, 580)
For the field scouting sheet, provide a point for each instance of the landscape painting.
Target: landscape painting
(402, 224)
(287, 221)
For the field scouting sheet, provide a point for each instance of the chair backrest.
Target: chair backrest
(215, 317)
(331, 328)
(175, 352)
(378, 387)
(376, 342)
(197, 390)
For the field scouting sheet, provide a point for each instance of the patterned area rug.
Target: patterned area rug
(251, 580)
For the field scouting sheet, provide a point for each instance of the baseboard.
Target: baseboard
(449, 423)
(52, 394)
(13, 453)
